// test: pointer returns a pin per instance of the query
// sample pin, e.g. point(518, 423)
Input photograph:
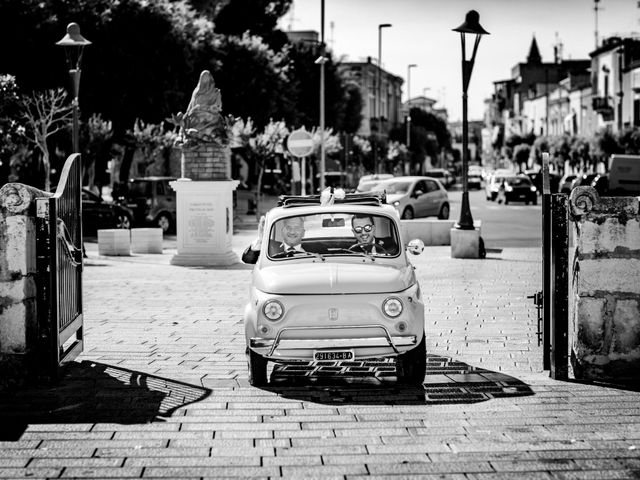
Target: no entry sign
point(300, 143)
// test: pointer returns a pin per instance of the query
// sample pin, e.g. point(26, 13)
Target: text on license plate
point(333, 355)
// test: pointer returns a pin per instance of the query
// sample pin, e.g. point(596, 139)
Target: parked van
point(624, 175)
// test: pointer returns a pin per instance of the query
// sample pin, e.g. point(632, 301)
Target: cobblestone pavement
point(161, 389)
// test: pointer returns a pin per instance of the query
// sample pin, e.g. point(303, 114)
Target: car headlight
point(273, 310)
point(396, 204)
point(533, 189)
point(392, 307)
point(508, 189)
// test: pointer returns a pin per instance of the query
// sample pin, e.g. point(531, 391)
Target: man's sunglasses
point(366, 228)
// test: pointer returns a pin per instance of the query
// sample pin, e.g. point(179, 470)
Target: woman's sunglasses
point(366, 228)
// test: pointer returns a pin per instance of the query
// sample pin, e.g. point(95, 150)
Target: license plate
point(333, 355)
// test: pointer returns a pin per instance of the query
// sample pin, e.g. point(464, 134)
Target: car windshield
point(399, 187)
point(367, 186)
point(139, 188)
point(337, 234)
point(519, 181)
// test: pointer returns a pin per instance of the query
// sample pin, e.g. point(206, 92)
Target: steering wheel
point(379, 248)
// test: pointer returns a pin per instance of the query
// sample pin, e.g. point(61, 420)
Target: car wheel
point(165, 222)
point(412, 366)
point(123, 221)
point(444, 212)
point(408, 213)
point(257, 368)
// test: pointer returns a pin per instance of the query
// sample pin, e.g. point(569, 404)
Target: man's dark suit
point(251, 256)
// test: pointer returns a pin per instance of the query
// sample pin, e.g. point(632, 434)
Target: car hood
point(395, 197)
point(333, 278)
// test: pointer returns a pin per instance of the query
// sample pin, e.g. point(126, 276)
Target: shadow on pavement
point(374, 383)
point(90, 392)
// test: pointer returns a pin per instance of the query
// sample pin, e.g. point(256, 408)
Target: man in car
point(364, 229)
point(292, 234)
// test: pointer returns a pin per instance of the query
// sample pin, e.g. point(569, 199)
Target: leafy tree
point(258, 17)
point(11, 129)
point(352, 109)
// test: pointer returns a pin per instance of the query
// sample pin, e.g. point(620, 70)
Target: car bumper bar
point(319, 343)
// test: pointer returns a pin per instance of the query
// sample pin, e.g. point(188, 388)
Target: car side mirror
point(415, 246)
point(417, 193)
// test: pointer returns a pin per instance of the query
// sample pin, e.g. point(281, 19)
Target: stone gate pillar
point(204, 193)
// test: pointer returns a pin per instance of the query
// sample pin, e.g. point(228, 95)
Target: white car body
point(332, 302)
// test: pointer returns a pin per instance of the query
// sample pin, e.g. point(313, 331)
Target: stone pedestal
point(204, 223)
point(146, 240)
point(465, 243)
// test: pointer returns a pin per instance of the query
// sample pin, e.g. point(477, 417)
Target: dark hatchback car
point(518, 189)
point(98, 213)
point(153, 202)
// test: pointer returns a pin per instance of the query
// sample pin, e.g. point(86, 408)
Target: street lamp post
point(378, 92)
point(321, 61)
point(471, 25)
point(74, 43)
point(409, 67)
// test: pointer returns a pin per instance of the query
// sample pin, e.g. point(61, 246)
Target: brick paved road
point(161, 389)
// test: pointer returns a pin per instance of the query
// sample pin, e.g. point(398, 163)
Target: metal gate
point(554, 298)
point(59, 266)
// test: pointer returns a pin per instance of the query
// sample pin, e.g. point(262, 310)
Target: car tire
point(257, 368)
point(407, 214)
point(123, 221)
point(444, 212)
point(412, 366)
point(165, 222)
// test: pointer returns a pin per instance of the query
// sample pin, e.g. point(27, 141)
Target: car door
point(96, 214)
point(434, 198)
point(420, 199)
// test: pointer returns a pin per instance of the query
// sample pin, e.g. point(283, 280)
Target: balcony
point(601, 104)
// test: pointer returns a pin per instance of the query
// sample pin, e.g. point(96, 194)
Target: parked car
point(417, 197)
point(366, 182)
point(624, 175)
point(474, 180)
point(601, 184)
point(445, 176)
point(518, 188)
point(565, 183)
point(333, 300)
point(98, 213)
point(153, 201)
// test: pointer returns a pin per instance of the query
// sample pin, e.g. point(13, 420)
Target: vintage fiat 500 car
point(346, 292)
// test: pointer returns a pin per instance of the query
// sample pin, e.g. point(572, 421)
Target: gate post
point(559, 338)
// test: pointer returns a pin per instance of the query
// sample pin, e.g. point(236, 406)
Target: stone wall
point(207, 161)
point(604, 289)
point(18, 315)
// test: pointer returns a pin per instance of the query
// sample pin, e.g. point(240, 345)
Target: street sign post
point(300, 144)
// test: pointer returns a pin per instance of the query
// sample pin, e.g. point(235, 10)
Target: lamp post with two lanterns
point(471, 25)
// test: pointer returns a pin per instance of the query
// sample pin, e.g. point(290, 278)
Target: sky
point(421, 34)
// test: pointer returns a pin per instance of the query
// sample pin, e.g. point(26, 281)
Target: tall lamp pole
point(321, 61)
point(74, 43)
point(409, 67)
point(378, 92)
point(471, 25)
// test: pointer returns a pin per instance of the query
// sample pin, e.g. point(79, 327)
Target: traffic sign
point(300, 143)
